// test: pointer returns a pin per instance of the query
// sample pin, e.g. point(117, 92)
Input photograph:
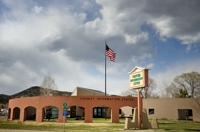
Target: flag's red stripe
point(111, 54)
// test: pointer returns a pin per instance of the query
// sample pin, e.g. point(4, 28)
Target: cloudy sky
point(67, 39)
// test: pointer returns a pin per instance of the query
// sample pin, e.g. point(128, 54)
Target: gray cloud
point(178, 19)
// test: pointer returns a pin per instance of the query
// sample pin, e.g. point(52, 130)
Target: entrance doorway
point(16, 113)
point(182, 112)
point(98, 112)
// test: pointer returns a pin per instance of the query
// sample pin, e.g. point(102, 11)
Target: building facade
point(90, 104)
point(174, 108)
point(98, 111)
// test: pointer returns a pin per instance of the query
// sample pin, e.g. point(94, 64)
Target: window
point(151, 111)
point(190, 112)
point(132, 111)
point(95, 111)
point(120, 111)
point(99, 111)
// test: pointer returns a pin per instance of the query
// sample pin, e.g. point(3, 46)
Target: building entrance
point(98, 112)
point(182, 113)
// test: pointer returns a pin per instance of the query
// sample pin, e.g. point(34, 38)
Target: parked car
point(4, 112)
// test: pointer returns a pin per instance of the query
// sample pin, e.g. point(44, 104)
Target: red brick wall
point(88, 102)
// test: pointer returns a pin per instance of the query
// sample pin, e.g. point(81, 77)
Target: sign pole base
point(139, 110)
point(63, 124)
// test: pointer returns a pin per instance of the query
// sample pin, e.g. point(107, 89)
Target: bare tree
point(163, 93)
point(186, 85)
point(48, 86)
point(190, 82)
point(171, 91)
point(148, 92)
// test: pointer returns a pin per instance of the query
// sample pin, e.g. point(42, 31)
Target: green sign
point(64, 107)
point(136, 79)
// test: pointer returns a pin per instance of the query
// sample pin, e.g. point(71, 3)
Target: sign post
point(139, 79)
point(64, 114)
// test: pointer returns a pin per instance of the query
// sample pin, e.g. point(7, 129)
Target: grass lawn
point(181, 125)
point(98, 125)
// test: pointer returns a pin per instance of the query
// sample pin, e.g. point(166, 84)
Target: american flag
point(110, 53)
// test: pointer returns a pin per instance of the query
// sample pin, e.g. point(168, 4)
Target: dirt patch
point(3, 117)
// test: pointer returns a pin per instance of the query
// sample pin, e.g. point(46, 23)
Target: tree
point(182, 93)
point(189, 82)
point(48, 86)
point(163, 92)
point(171, 91)
point(148, 92)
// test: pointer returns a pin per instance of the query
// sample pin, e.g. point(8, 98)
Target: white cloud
point(150, 66)
point(188, 48)
point(162, 26)
point(174, 19)
point(37, 9)
point(134, 39)
point(189, 39)
point(122, 21)
point(87, 6)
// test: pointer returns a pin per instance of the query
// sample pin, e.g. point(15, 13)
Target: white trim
point(137, 67)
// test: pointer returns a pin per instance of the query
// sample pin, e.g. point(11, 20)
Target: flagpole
point(105, 67)
point(111, 54)
point(105, 77)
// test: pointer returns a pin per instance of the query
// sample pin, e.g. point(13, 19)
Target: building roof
point(92, 90)
point(89, 90)
point(137, 68)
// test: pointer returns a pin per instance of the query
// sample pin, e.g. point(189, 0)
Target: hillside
point(30, 92)
point(4, 98)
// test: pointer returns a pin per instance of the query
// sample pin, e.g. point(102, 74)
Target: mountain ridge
point(30, 92)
